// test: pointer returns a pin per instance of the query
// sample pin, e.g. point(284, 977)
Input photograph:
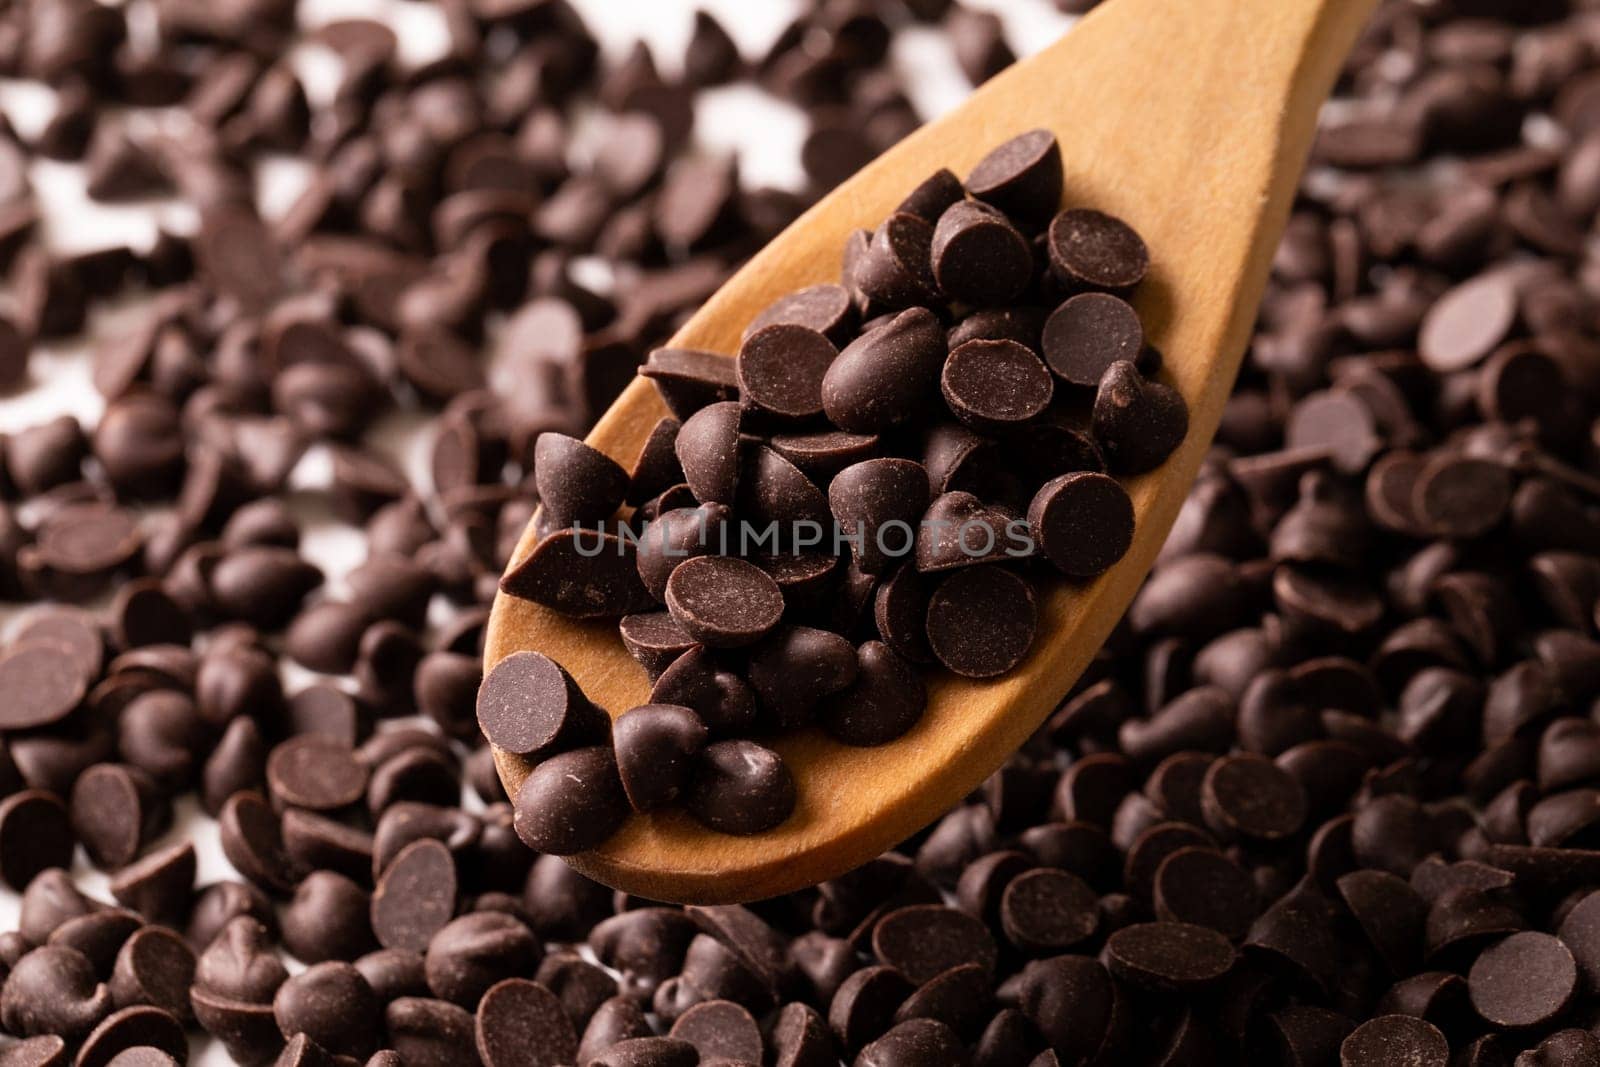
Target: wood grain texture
point(1190, 120)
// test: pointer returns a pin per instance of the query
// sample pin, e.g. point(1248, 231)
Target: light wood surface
point(1192, 120)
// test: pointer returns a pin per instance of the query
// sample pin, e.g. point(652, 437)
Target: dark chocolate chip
point(1087, 334)
point(571, 802)
point(530, 706)
point(656, 749)
point(981, 621)
point(739, 787)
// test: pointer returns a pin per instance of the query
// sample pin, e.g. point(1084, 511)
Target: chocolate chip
point(530, 706)
point(1087, 334)
point(1468, 322)
point(415, 897)
point(1252, 797)
point(648, 1052)
point(654, 640)
point(674, 536)
point(327, 918)
point(708, 449)
point(739, 787)
point(47, 680)
point(1044, 911)
point(1137, 423)
point(689, 379)
point(1393, 1040)
point(576, 483)
point(1082, 522)
point(723, 700)
point(475, 952)
point(332, 1004)
point(883, 378)
point(53, 990)
point(995, 386)
point(1022, 177)
point(959, 530)
point(878, 503)
point(1202, 887)
point(656, 748)
point(796, 668)
point(895, 270)
point(781, 368)
point(886, 699)
point(253, 842)
point(140, 1027)
point(1461, 497)
point(981, 621)
point(916, 1041)
point(1528, 979)
point(521, 1024)
point(571, 802)
point(35, 835)
point(315, 771)
point(720, 1030)
point(1168, 955)
point(426, 1030)
point(978, 256)
point(865, 1004)
point(723, 602)
point(582, 574)
point(1092, 250)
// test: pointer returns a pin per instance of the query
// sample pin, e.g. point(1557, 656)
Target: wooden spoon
point(1192, 121)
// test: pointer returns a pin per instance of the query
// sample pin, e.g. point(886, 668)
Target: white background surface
point(765, 134)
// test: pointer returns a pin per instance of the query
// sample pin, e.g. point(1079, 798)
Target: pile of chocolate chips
point(1325, 798)
point(842, 505)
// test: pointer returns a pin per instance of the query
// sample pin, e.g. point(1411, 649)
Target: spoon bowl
point(1190, 121)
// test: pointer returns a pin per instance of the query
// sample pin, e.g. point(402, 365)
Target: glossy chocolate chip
point(883, 378)
point(656, 749)
point(571, 802)
point(739, 787)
